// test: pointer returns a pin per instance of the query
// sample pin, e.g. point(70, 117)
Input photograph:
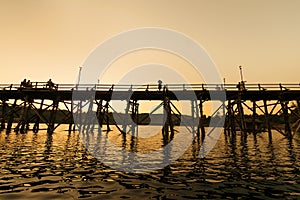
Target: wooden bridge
point(244, 106)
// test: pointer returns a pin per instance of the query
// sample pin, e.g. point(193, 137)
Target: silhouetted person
point(159, 85)
point(28, 84)
point(50, 84)
point(241, 86)
point(23, 83)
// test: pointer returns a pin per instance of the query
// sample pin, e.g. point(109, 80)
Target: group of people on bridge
point(28, 84)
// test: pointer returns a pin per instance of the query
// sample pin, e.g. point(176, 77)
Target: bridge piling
point(51, 124)
point(2, 126)
point(254, 128)
point(11, 117)
point(241, 115)
point(267, 120)
point(284, 107)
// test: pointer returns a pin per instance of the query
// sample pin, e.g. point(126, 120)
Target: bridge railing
point(152, 87)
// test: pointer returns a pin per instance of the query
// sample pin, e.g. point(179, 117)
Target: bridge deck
point(151, 92)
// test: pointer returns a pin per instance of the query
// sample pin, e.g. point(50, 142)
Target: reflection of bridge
point(40, 104)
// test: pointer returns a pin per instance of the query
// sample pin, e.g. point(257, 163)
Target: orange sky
point(40, 39)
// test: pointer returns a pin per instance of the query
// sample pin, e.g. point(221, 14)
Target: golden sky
point(42, 39)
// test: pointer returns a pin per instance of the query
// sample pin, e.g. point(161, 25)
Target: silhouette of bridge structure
point(243, 108)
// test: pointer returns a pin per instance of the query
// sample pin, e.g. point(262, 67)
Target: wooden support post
point(22, 128)
point(80, 115)
point(196, 123)
point(170, 120)
point(165, 131)
point(11, 117)
point(168, 126)
point(107, 116)
point(284, 107)
point(71, 118)
point(126, 120)
point(241, 115)
point(2, 126)
point(193, 107)
point(134, 116)
point(201, 121)
point(254, 117)
point(100, 113)
point(36, 126)
point(267, 118)
point(231, 118)
point(137, 118)
point(53, 116)
point(89, 113)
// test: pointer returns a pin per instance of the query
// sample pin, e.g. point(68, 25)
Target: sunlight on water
point(41, 166)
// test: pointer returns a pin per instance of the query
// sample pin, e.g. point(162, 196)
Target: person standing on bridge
point(50, 84)
point(28, 84)
point(23, 83)
point(159, 85)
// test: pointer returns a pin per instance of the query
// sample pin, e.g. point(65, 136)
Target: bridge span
point(41, 103)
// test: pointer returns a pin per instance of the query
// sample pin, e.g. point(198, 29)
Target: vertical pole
point(241, 114)
point(124, 126)
point(80, 115)
point(170, 120)
point(2, 126)
point(87, 116)
point(169, 123)
point(201, 124)
point(23, 117)
point(71, 118)
point(11, 117)
point(193, 116)
point(36, 126)
point(254, 117)
point(284, 107)
point(100, 113)
point(53, 116)
point(166, 124)
point(107, 116)
point(231, 118)
point(267, 117)
point(197, 117)
point(134, 114)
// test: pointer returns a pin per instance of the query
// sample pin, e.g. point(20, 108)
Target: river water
point(57, 166)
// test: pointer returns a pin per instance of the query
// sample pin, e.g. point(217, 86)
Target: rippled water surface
point(41, 166)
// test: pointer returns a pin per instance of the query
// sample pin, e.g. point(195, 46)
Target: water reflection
point(58, 166)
